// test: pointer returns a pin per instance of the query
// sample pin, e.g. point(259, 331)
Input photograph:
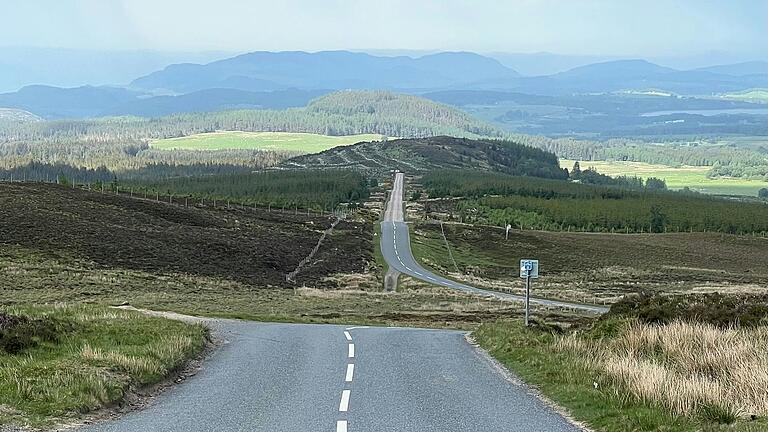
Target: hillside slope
point(424, 154)
point(257, 248)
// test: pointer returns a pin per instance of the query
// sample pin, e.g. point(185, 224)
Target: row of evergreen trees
point(557, 205)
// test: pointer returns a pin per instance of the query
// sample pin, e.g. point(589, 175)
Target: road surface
point(316, 378)
point(396, 248)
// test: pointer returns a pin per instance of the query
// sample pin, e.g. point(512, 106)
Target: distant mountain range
point(88, 101)
point(264, 71)
point(739, 69)
point(280, 80)
point(62, 67)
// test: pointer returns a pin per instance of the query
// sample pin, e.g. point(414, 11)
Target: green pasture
point(276, 141)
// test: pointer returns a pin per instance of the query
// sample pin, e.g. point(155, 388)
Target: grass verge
point(621, 375)
point(97, 357)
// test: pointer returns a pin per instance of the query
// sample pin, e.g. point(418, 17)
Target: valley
point(306, 239)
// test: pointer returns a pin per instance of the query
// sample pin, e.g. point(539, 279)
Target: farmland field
point(280, 141)
point(753, 95)
point(694, 177)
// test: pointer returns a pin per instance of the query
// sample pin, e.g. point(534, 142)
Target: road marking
point(347, 335)
point(357, 327)
point(351, 353)
point(350, 372)
point(341, 426)
point(344, 404)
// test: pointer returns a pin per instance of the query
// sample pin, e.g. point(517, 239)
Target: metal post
point(527, 299)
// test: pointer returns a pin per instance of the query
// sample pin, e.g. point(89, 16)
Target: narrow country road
point(316, 378)
point(396, 248)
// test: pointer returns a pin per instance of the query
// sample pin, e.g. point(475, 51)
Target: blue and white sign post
point(529, 269)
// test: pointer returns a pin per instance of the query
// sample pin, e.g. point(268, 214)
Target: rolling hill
point(17, 115)
point(89, 101)
point(56, 102)
point(425, 154)
point(264, 71)
point(279, 80)
point(739, 69)
point(257, 248)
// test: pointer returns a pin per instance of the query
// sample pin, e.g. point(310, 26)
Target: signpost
point(529, 269)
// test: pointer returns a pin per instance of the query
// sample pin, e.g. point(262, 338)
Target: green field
point(694, 177)
point(277, 141)
point(753, 95)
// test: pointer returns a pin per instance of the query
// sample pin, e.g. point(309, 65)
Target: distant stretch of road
point(329, 378)
point(396, 248)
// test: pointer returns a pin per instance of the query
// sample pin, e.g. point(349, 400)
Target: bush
point(721, 310)
point(18, 332)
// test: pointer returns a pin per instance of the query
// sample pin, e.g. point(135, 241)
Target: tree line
point(561, 205)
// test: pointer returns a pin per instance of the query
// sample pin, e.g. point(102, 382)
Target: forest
point(314, 190)
point(533, 203)
point(122, 144)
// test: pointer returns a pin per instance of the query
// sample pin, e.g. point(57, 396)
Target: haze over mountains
point(281, 80)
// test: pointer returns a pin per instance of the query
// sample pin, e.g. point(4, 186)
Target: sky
point(578, 27)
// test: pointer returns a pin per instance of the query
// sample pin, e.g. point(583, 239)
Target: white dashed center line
point(347, 335)
point(351, 353)
point(341, 426)
point(344, 404)
point(350, 372)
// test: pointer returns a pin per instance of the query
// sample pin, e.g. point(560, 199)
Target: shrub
point(721, 310)
point(19, 332)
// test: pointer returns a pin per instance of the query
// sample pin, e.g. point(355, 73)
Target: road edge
point(139, 398)
point(512, 378)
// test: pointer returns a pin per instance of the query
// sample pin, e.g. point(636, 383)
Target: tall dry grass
point(688, 368)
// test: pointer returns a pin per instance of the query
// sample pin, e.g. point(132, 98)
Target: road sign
point(529, 268)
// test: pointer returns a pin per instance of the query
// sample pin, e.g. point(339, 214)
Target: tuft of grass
point(101, 356)
point(624, 375)
point(689, 369)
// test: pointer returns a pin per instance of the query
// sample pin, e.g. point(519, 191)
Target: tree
point(763, 193)
point(653, 184)
point(658, 219)
point(576, 169)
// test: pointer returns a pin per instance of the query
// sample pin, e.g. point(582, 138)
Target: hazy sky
point(602, 27)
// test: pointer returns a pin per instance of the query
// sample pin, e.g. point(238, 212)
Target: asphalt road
point(396, 248)
point(314, 378)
